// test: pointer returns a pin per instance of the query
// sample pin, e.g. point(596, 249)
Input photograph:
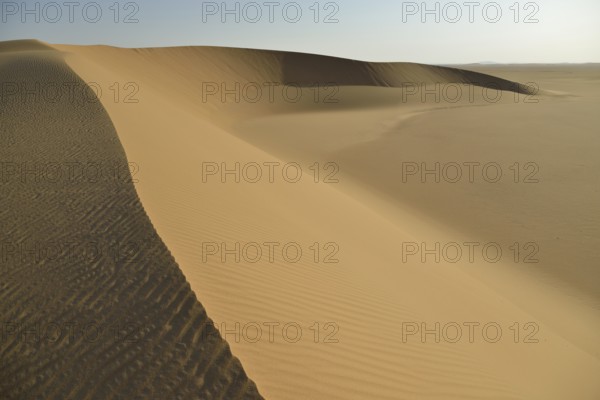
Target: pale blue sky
point(376, 30)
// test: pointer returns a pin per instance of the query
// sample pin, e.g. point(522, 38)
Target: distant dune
point(332, 323)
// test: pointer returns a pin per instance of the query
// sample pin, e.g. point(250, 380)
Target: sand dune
point(226, 85)
point(354, 313)
point(93, 304)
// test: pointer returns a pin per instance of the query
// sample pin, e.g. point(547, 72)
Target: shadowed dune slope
point(92, 304)
point(305, 69)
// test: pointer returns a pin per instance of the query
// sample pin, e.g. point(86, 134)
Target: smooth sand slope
point(363, 302)
point(93, 305)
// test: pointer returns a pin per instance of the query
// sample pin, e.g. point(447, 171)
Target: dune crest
point(93, 304)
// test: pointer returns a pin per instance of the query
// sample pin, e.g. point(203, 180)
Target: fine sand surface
point(92, 304)
point(351, 314)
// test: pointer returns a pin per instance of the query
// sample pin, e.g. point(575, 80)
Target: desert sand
point(350, 306)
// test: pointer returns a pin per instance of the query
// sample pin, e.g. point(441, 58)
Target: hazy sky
point(544, 31)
